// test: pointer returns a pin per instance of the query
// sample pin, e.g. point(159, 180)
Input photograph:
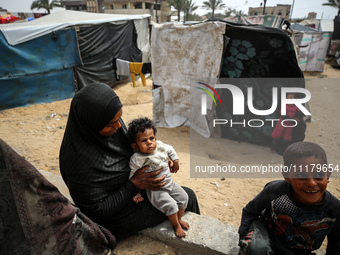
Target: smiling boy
point(293, 216)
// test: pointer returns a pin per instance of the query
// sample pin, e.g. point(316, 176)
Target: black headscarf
point(93, 166)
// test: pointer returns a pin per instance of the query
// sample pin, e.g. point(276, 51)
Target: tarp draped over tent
point(313, 47)
point(21, 32)
point(39, 70)
point(253, 53)
point(323, 25)
point(114, 40)
point(45, 46)
point(258, 52)
point(181, 53)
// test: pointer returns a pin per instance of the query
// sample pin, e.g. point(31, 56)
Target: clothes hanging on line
point(136, 68)
point(146, 68)
point(123, 67)
point(130, 69)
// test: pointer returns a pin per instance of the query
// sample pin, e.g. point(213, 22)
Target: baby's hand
point(138, 198)
point(175, 166)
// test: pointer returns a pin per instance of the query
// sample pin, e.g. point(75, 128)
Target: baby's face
point(309, 184)
point(146, 141)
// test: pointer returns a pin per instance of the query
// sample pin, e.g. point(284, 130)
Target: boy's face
point(309, 185)
point(145, 142)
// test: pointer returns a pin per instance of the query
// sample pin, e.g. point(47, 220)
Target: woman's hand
point(144, 180)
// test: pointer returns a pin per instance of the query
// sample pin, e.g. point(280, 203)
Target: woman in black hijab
point(94, 163)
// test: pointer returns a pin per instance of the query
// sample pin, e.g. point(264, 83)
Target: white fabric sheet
point(181, 54)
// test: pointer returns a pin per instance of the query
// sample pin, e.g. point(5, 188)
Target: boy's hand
point(175, 166)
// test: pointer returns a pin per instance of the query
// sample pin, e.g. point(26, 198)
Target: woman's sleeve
point(117, 200)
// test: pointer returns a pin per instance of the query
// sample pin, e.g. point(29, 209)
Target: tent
point(51, 57)
point(313, 47)
point(323, 25)
point(185, 56)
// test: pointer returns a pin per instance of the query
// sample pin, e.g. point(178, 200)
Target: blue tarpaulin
point(38, 88)
point(39, 70)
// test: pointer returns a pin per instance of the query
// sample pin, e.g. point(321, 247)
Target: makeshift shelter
point(321, 25)
point(255, 52)
point(49, 58)
point(183, 56)
point(313, 47)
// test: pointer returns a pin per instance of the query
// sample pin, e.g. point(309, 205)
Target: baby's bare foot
point(138, 198)
point(179, 231)
point(184, 225)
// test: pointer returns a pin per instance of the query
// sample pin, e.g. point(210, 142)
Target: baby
point(171, 199)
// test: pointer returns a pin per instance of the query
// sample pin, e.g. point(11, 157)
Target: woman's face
point(113, 125)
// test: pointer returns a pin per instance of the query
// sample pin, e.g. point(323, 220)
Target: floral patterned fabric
point(35, 218)
point(259, 52)
point(264, 20)
point(252, 55)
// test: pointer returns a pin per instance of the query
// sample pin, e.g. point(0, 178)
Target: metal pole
point(291, 11)
point(156, 11)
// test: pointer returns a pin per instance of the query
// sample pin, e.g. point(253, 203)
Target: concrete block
point(205, 236)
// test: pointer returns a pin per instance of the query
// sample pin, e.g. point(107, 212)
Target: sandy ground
point(36, 133)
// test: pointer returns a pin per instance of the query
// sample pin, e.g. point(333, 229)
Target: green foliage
point(45, 4)
point(194, 17)
point(213, 5)
point(178, 5)
point(230, 12)
point(188, 9)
